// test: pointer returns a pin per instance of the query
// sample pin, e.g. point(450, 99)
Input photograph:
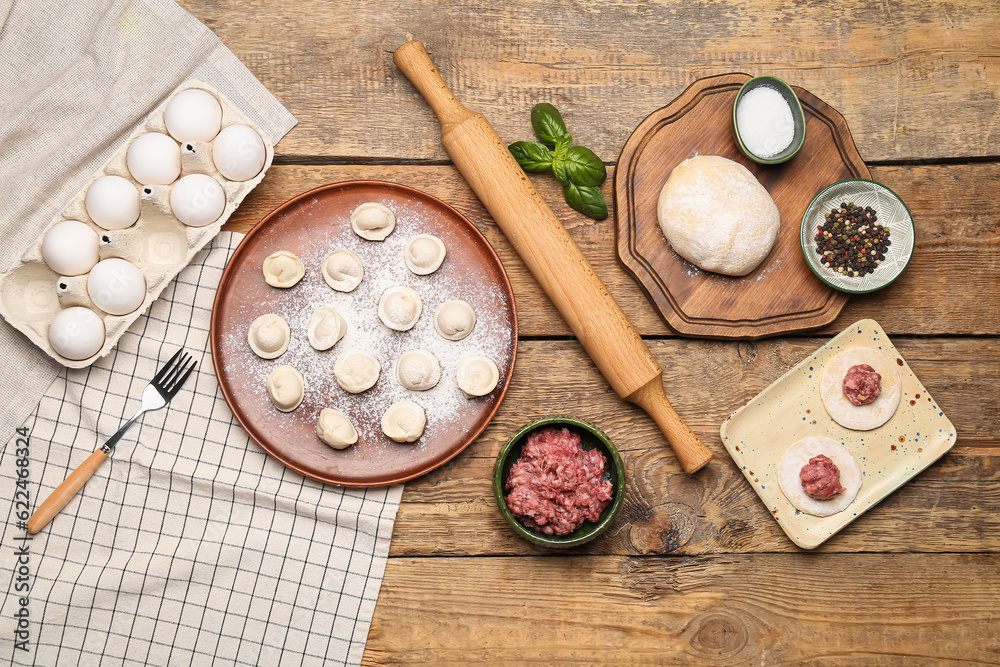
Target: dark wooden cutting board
point(781, 295)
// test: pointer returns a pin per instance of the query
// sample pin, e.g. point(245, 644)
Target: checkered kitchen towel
point(190, 545)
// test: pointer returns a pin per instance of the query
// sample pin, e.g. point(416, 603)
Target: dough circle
point(418, 370)
point(283, 269)
point(342, 270)
point(286, 388)
point(424, 254)
point(356, 371)
point(399, 307)
point(454, 319)
point(268, 336)
point(372, 221)
point(404, 421)
point(335, 429)
point(716, 215)
point(326, 327)
point(798, 455)
point(860, 417)
point(477, 376)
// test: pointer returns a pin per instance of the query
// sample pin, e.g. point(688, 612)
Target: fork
point(163, 387)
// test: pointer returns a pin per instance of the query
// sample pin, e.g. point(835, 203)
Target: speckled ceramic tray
point(758, 434)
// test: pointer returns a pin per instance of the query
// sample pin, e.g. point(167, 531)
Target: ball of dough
point(283, 269)
point(418, 370)
point(477, 376)
point(717, 216)
point(454, 319)
point(356, 371)
point(342, 270)
point(424, 254)
point(404, 421)
point(268, 336)
point(399, 308)
point(860, 417)
point(286, 388)
point(373, 221)
point(335, 429)
point(326, 327)
point(798, 455)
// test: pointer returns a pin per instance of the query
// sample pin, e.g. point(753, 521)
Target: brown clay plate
point(779, 296)
point(312, 225)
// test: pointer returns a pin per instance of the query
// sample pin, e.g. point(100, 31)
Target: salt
point(765, 122)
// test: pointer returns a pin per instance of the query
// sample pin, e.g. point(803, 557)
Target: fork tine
point(177, 369)
point(180, 381)
point(166, 367)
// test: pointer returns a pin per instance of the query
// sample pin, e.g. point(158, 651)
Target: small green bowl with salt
point(768, 122)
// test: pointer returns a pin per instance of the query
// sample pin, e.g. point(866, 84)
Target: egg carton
point(160, 245)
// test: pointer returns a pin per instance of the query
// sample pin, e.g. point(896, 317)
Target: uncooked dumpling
point(283, 269)
point(454, 319)
point(717, 216)
point(326, 327)
point(860, 417)
point(399, 308)
point(268, 336)
point(404, 421)
point(373, 221)
point(286, 388)
point(342, 270)
point(418, 370)
point(477, 376)
point(335, 429)
point(798, 455)
point(424, 254)
point(356, 371)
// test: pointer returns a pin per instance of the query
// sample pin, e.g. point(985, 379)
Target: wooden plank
point(953, 506)
point(914, 79)
point(850, 609)
point(949, 288)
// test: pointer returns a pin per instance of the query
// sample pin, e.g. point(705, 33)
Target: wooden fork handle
point(64, 493)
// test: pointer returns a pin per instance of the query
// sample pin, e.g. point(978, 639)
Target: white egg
point(238, 153)
point(70, 248)
point(113, 202)
point(76, 333)
point(197, 200)
point(116, 286)
point(193, 115)
point(154, 159)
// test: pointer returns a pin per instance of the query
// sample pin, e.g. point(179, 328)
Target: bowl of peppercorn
point(857, 235)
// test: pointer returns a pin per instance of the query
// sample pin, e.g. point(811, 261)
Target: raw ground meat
point(862, 384)
point(555, 485)
point(821, 478)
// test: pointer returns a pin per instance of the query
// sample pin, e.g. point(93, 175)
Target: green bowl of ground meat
point(559, 482)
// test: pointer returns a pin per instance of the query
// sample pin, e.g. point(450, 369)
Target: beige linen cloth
point(191, 545)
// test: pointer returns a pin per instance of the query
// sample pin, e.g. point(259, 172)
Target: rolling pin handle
point(412, 60)
point(691, 452)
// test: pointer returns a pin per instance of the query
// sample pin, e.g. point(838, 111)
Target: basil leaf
point(583, 167)
point(586, 199)
point(531, 155)
point(548, 124)
point(563, 144)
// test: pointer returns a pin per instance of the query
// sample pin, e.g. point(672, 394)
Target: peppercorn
point(849, 226)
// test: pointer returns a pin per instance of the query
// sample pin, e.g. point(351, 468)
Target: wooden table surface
point(694, 569)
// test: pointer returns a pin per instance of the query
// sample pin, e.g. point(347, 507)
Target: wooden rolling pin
point(551, 255)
